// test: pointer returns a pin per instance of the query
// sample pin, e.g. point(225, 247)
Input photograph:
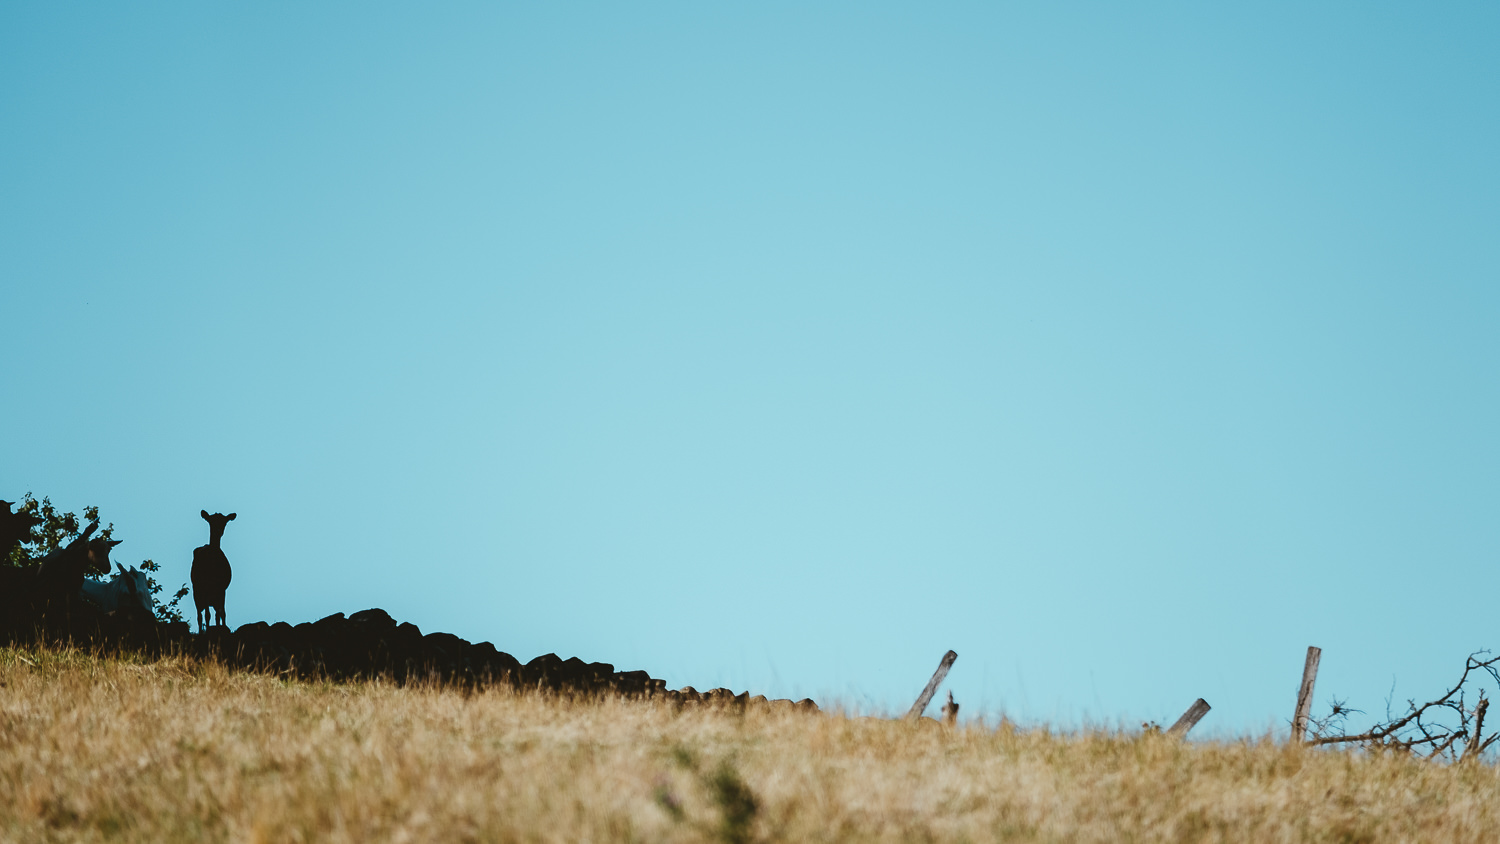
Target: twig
point(1438, 751)
point(950, 711)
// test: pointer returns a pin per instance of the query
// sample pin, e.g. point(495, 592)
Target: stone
point(376, 617)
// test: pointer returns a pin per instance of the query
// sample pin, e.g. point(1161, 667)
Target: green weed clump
point(126, 749)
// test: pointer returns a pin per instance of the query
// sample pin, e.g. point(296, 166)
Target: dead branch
point(1447, 743)
point(1421, 726)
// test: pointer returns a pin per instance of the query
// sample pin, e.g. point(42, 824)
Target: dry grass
point(182, 751)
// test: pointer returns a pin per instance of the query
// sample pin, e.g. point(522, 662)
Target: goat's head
point(138, 587)
point(15, 527)
point(19, 521)
point(98, 555)
point(216, 523)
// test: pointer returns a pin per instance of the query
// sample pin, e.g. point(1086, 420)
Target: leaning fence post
point(932, 685)
point(1473, 745)
point(1190, 718)
point(1305, 694)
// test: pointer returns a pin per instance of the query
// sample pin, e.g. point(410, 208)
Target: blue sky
point(1126, 351)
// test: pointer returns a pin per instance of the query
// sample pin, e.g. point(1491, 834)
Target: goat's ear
point(113, 542)
point(231, 516)
point(204, 514)
point(121, 566)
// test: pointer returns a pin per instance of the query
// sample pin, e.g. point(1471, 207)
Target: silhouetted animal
point(59, 575)
point(127, 589)
point(15, 583)
point(211, 572)
point(14, 528)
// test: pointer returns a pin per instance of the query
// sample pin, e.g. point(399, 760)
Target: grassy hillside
point(176, 750)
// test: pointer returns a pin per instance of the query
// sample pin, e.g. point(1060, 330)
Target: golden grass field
point(176, 750)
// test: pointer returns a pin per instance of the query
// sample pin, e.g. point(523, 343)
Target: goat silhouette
point(15, 528)
point(211, 572)
point(58, 577)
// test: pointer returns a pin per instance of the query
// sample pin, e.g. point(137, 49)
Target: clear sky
point(1126, 349)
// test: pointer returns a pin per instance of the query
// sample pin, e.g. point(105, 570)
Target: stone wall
point(364, 645)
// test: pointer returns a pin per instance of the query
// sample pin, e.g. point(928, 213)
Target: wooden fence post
point(1305, 694)
point(1190, 718)
point(932, 685)
point(1473, 745)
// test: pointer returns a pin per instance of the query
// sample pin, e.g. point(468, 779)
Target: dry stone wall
point(364, 645)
